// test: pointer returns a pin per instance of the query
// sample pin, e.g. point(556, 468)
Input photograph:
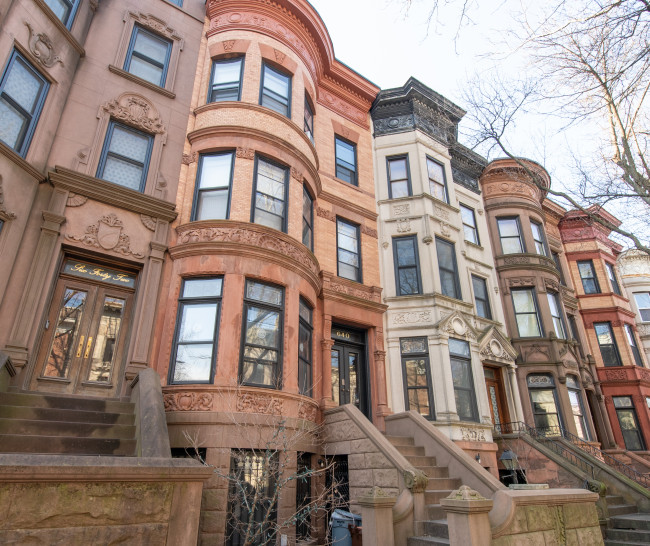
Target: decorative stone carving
point(190, 158)
point(472, 434)
point(644, 329)
point(403, 225)
point(494, 350)
point(416, 481)
point(136, 111)
point(369, 232)
point(341, 288)
point(308, 412)
point(149, 222)
point(537, 349)
point(609, 400)
point(643, 373)
point(188, 401)
point(616, 375)
point(341, 106)
point(439, 212)
point(324, 213)
point(444, 228)
point(94, 4)
point(402, 210)
point(3, 208)
point(414, 317)
point(76, 200)
point(157, 25)
point(516, 260)
point(245, 153)
point(107, 234)
point(521, 281)
point(552, 284)
point(279, 56)
point(259, 403)
point(455, 324)
point(228, 45)
point(81, 158)
point(42, 48)
point(296, 174)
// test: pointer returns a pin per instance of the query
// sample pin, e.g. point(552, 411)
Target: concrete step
point(77, 416)
point(427, 541)
point(434, 496)
point(631, 521)
point(13, 443)
point(621, 509)
point(435, 512)
point(401, 440)
point(609, 542)
point(65, 402)
point(443, 483)
point(629, 535)
point(411, 451)
point(435, 471)
point(436, 528)
point(66, 428)
point(419, 461)
point(614, 499)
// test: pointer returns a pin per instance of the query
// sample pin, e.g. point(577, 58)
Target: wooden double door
point(496, 396)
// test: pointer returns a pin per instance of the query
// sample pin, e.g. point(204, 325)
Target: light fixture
point(477, 458)
point(509, 460)
point(321, 463)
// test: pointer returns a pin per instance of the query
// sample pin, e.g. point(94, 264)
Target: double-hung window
point(642, 300)
point(437, 180)
point(417, 375)
point(261, 360)
point(399, 184)
point(629, 423)
point(577, 408)
point(305, 349)
point(64, 10)
point(307, 219)
point(607, 344)
point(510, 235)
point(270, 195)
point(309, 120)
point(213, 181)
point(558, 266)
point(197, 326)
point(463, 380)
point(611, 273)
point(346, 160)
point(407, 265)
point(148, 56)
point(631, 339)
point(276, 90)
point(225, 82)
point(469, 224)
point(448, 268)
point(481, 298)
point(125, 156)
point(543, 398)
point(22, 94)
point(538, 237)
point(556, 314)
point(588, 276)
point(348, 249)
point(526, 313)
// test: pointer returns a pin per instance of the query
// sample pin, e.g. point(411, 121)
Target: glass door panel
point(630, 429)
point(108, 329)
point(336, 381)
point(353, 390)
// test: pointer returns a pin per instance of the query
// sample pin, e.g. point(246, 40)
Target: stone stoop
point(436, 531)
point(626, 526)
point(66, 425)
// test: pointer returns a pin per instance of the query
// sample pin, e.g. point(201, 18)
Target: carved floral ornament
point(456, 325)
point(259, 403)
point(107, 234)
point(136, 111)
point(494, 350)
point(3, 208)
point(42, 48)
point(159, 26)
point(188, 401)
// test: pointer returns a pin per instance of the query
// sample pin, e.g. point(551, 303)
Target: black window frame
point(558, 265)
point(619, 408)
point(259, 158)
point(264, 92)
point(417, 355)
point(186, 301)
point(611, 346)
point(539, 243)
point(72, 5)
point(400, 157)
point(473, 228)
point(465, 361)
point(355, 177)
point(308, 127)
point(212, 90)
point(486, 300)
point(445, 182)
point(198, 191)
point(522, 242)
point(131, 51)
point(634, 346)
point(338, 248)
point(540, 324)
point(613, 280)
point(305, 367)
point(549, 386)
point(594, 277)
point(560, 317)
point(573, 386)
point(106, 152)
point(250, 302)
point(642, 310)
point(307, 223)
point(415, 266)
point(453, 271)
point(178, 3)
point(31, 118)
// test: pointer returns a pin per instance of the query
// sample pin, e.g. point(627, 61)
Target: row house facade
point(634, 269)
point(448, 353)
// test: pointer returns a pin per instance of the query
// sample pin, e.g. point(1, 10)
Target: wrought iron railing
point(549, 437)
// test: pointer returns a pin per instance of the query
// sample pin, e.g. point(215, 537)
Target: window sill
point(144, 83)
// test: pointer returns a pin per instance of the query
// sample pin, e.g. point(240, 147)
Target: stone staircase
point(626, 526)
point(436, 532)
point(54, 424)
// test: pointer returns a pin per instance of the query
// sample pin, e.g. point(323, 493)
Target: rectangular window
point(305, 349)
point(22, 94)
point(628, 422)
point(179, 3)
point(449, 281)
point(510, 235)
point(526, 313)
point(307, 219)
point(577, 408)
point(348, 250)
point(543, 400)
point(125, 156)
point(631, 339)
point(588, 276)
point(148, 56)
point(276, 90)
point(399, 184)
point(437, 180)
point(261, 359)
point(538, 237)
point(556, 313)
point(197, 331)
point(573, 328)
point(64, 10)
point(226, 80)
point(643, 303)
point(270, 195)
point(611, 273)
point(558, 266)
point(462, 377)
point(469, 224)
point(481, 297)
point(346, 160)
point(407, 265)
point(309, 120)
point(417, 376)
point(607, 343)
point(213, 182)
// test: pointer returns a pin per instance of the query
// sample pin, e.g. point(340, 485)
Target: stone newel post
point(467, 517)
point(377, 517)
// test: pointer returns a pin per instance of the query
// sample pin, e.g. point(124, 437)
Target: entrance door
point(349, 369)
point(496, 395)
point(83, 345)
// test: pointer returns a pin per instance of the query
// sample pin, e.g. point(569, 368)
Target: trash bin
point(339, 523)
